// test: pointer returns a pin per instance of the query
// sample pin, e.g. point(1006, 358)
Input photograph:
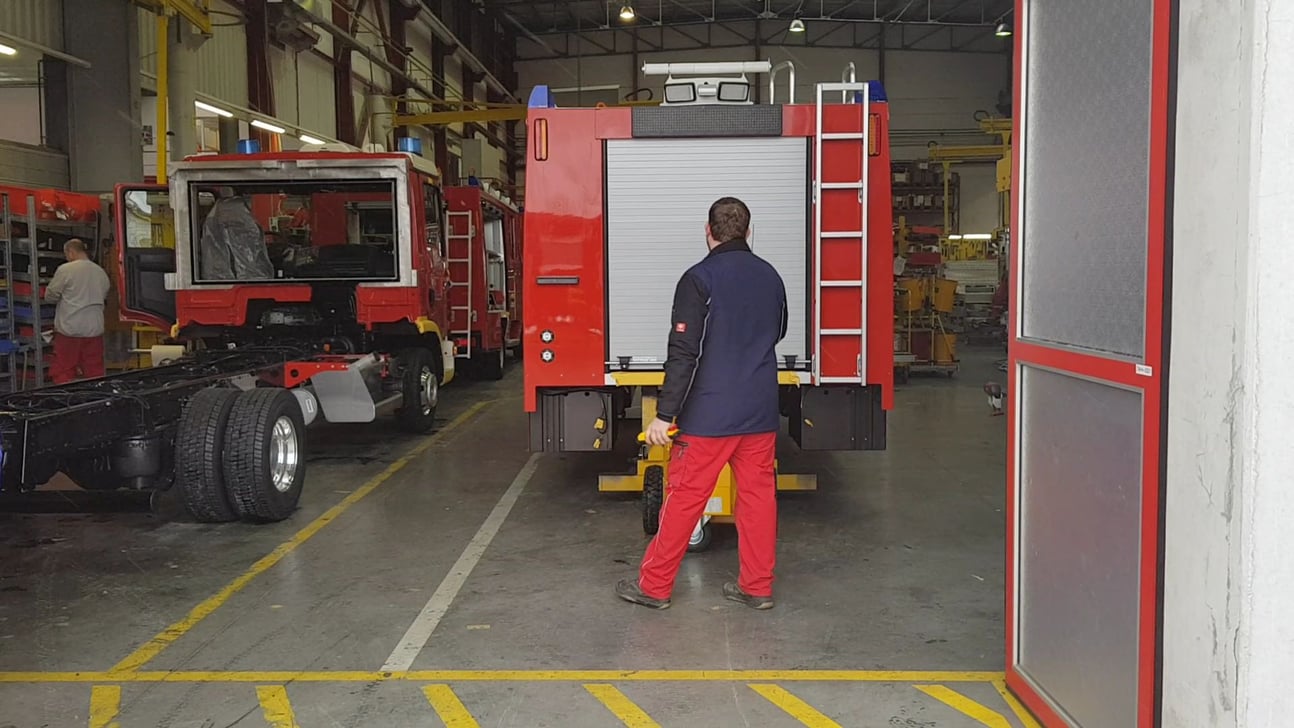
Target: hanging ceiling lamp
point(797, 25)
point(1003, 30)
point(627, 12)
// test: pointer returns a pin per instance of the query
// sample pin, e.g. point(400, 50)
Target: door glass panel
point(1078, 590)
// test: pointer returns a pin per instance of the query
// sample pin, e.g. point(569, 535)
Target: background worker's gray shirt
point(79, 287)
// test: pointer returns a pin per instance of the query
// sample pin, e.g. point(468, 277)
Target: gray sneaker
point(734, 593)
point(628, 590)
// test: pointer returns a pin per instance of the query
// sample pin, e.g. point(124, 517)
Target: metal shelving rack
point(33, 347)
point(8, 339)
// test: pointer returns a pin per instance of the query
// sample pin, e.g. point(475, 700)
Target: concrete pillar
point(229, 132)
point(182, 87)
point(101, 109)
point(1229, 574)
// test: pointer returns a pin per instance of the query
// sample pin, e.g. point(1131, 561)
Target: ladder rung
point(837, 234)
point(842, 332)
point(840, 380)
point(843, 86)
point(460, 308)
point(841, 135)
point(842, 284)
point(458, 260)
point(842, 185)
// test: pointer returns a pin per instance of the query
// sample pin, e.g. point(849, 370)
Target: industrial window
point(324, 230)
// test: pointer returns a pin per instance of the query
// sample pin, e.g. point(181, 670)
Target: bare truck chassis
point(225, 426)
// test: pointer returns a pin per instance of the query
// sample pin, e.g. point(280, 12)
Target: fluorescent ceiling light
point(1003, 30)
point(797, 26)
point(213, 109)
point(978, 236)
point(7, 50)
point(310, 140)
point(627, 12)
point(267, 126)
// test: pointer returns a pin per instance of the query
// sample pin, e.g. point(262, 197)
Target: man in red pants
point(721, 390)
point(79, 287)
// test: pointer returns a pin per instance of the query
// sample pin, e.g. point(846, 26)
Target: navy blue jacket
point(721, 374)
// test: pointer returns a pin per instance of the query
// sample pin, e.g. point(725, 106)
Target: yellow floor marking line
point(105, 704)
point(451, 710)
point(621, 706)
point(452, 676)
point(794, 706)
point(152, 648)
point(1021, 713)
point(275, 706)
point(965, 706)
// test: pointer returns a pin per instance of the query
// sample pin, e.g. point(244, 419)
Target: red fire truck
point(306, 285)
point(616, 202)
point(484, 244)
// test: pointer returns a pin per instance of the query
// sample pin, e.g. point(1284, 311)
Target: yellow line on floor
point(621, 706)
point(451, 676)
point(794, 706)
point(105, 705)
point(451, 710)
point(152, 648)
point(275, 706)
point(965, 706)
point(1021, 713)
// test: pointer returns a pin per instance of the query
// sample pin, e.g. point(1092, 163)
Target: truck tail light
point(541, 140)
point(873, 129)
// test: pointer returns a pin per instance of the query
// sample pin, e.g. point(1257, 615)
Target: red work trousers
point(75, 358)
point(694, 466)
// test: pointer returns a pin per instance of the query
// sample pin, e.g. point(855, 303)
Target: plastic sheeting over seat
point(233, 245)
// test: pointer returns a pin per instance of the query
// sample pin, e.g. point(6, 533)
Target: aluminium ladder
point(459, 259)
point(840, 193)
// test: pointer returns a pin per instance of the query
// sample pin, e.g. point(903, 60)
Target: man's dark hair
point(729, 219)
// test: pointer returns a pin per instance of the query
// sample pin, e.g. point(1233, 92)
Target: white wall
point(20, 120)
point(1229, 581)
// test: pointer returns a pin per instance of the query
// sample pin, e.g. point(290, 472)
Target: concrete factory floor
point(458, 576)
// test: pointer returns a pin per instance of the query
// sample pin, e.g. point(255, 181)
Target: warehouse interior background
point(1192, 95)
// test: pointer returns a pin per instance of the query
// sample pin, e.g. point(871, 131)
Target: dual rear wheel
point(241, 455)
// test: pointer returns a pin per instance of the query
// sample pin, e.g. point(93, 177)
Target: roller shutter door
point(659, 192)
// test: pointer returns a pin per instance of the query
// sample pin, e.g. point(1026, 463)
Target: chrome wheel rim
point(428, 390)
point(285, 455)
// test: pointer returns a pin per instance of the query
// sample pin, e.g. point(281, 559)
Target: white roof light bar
point(701, 69)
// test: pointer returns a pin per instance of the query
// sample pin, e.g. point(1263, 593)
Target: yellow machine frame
point(720, 507)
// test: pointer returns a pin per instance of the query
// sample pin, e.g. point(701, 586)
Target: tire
point(707, 533)
point(653, 498)
point(420, 385)
point(265, 447)
point(199, 452)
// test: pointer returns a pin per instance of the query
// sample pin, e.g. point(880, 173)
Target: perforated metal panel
point(1086, 189)
point(659, 192)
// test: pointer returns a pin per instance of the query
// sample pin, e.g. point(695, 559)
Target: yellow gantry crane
point(999, 153)
point(197, 12)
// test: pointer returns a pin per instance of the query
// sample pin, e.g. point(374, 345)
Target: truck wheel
point(421, 389)
point(265, 448)
point(199, 448)
point(653, 498)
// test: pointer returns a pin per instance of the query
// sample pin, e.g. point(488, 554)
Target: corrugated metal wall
point(30, 166)
point(222, 60)
point(39, 21)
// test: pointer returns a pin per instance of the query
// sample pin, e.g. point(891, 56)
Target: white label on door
point(1144, 370)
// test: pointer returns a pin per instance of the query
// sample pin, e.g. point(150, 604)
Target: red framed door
point(1091, 159)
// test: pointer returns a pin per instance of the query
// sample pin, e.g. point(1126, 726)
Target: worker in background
point(80, 288)
point(721, 390)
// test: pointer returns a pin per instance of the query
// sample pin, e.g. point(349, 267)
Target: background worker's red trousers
point(75, 358)
point(694, 466)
